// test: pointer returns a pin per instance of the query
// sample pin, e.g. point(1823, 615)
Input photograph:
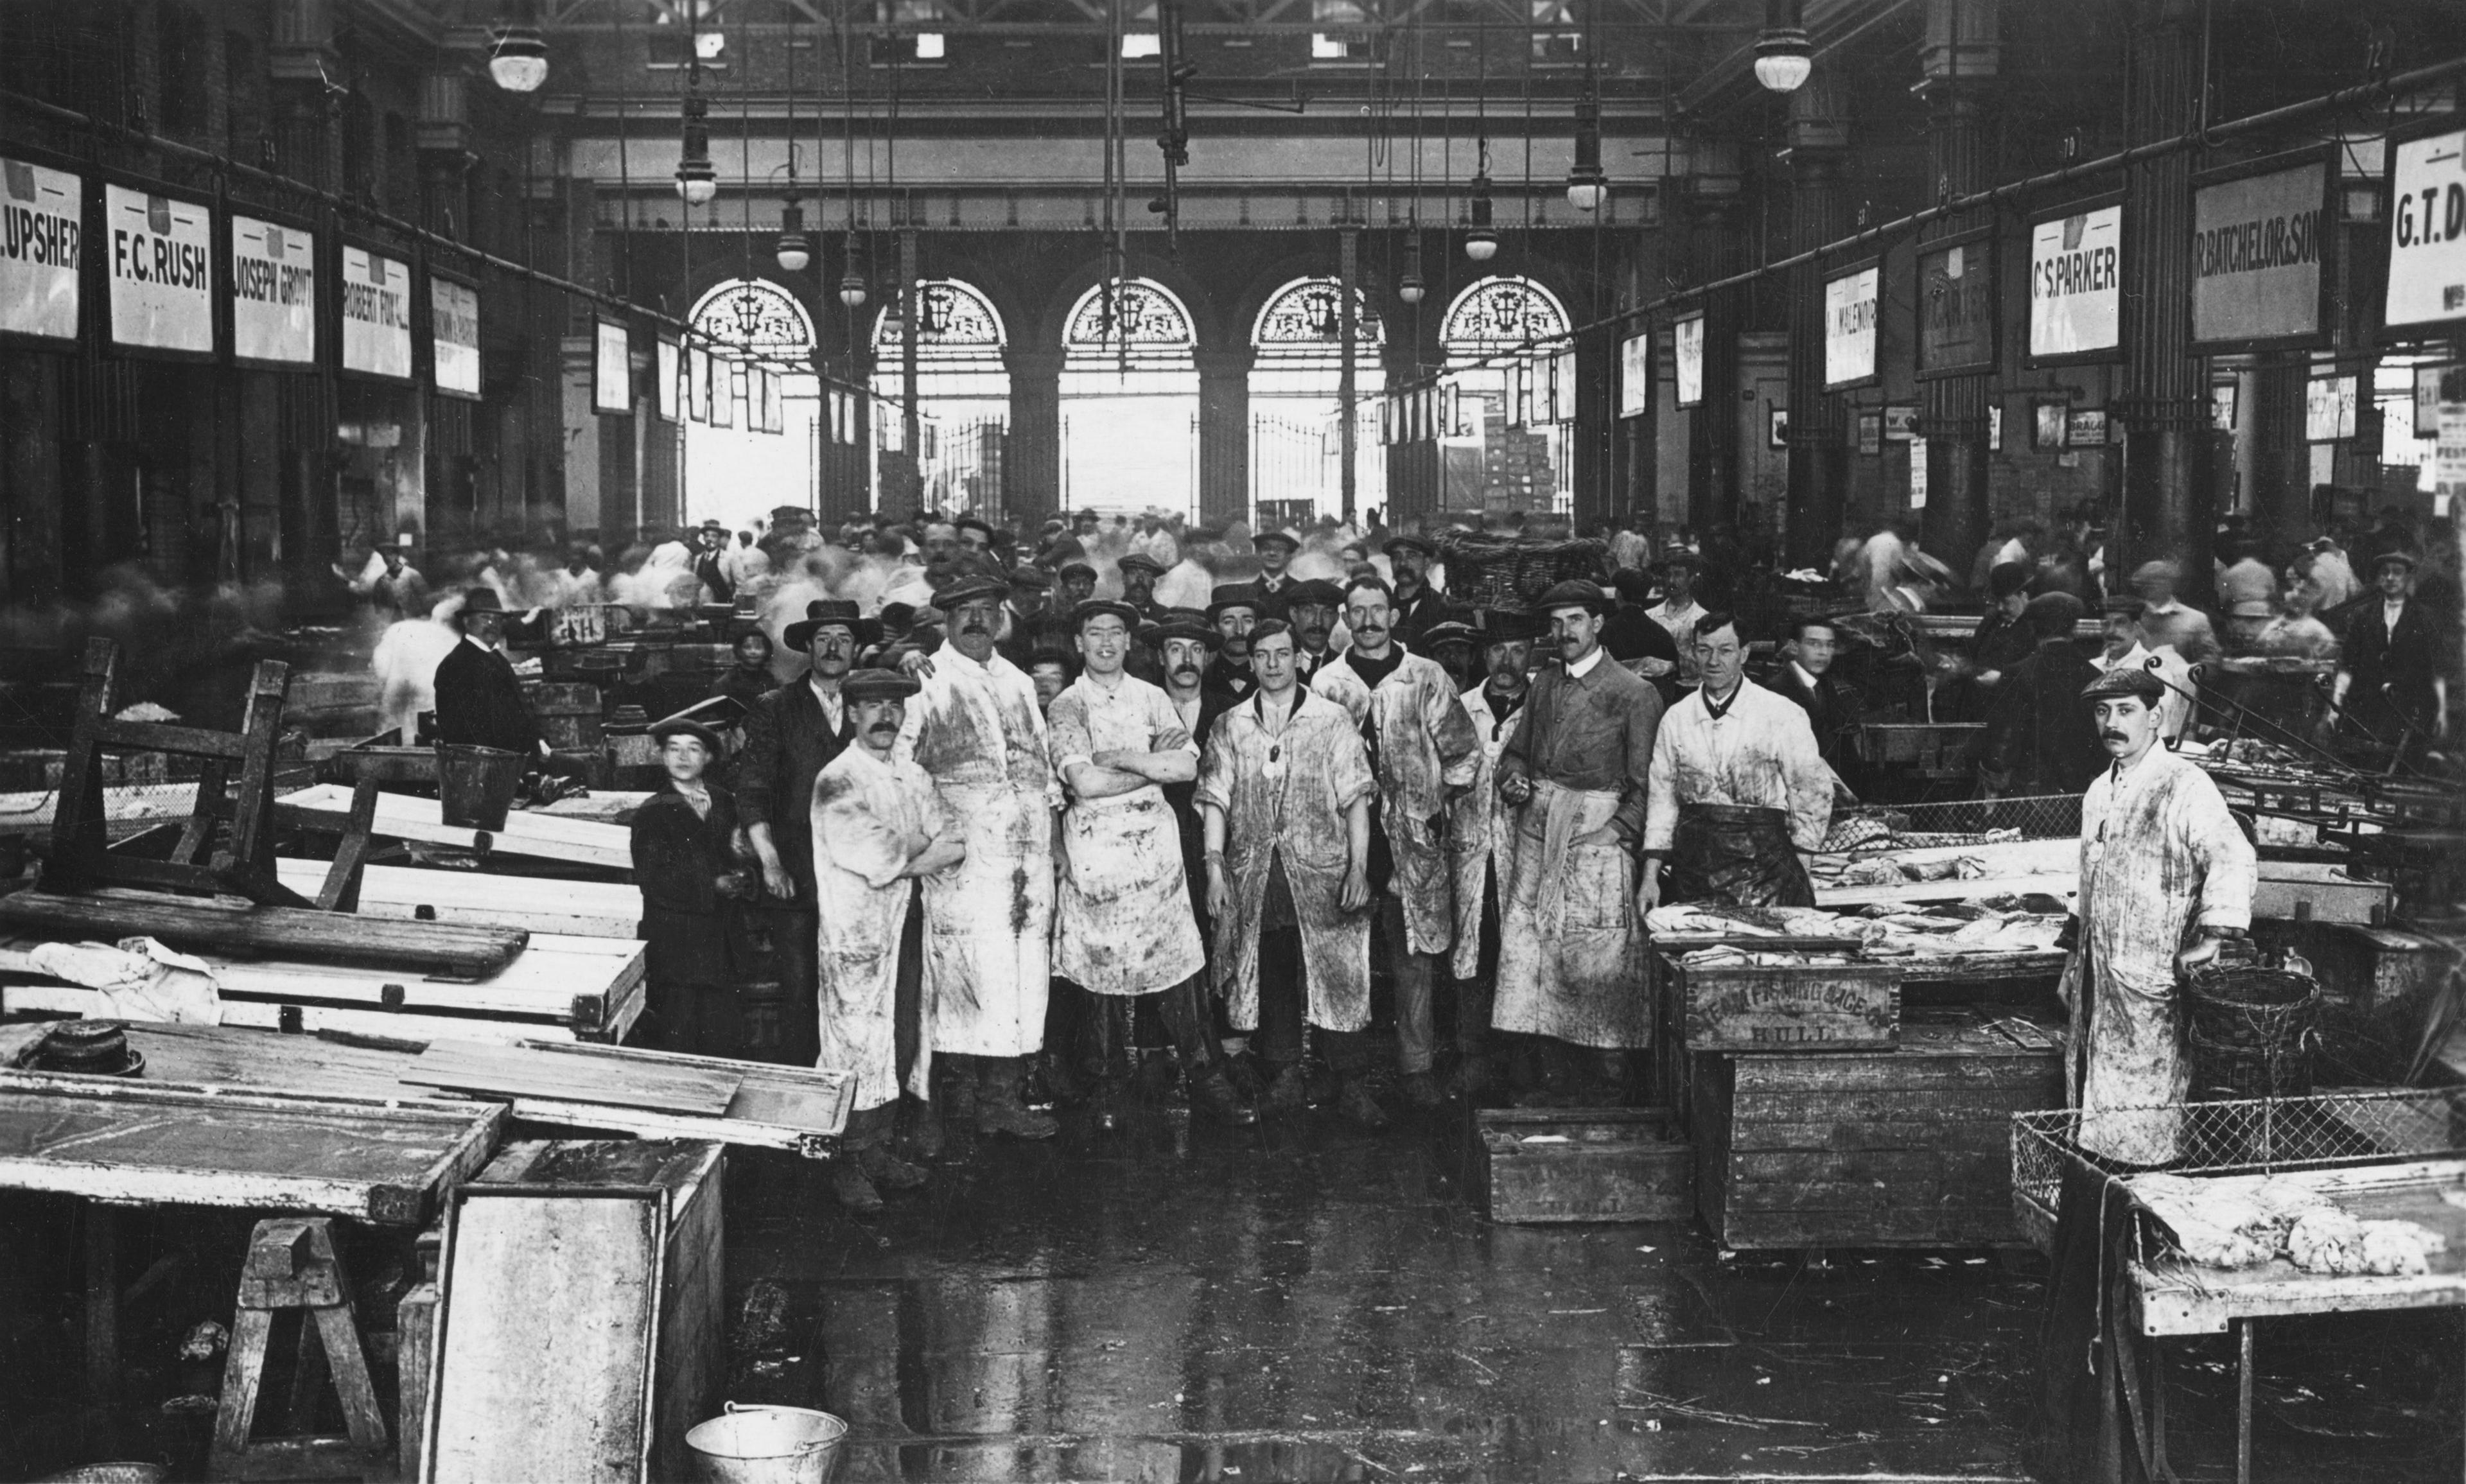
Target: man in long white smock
point(877, 826)
point(975, 730)
point(1481, 837)
point(2166, 875)
point(1125, 927)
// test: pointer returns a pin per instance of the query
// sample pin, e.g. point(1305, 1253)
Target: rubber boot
point(1212, 1094)
point(886, 1170)
point(958, 1099)
point(1359, 1108)
point(1287, 1090)
point(920, 1128)
point(855, 1190)
point(999, 1108)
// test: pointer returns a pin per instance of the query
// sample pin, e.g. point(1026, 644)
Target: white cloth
point(834, 708)
point(869, 820)
point(2160, 855)
point(975, 730)
point(1123, 923)
point(1420, 745)
point(1680, 623)
point(1761, 754)
point(137, 979)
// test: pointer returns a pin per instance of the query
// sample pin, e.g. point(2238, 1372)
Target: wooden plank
point(1991, 1132)
point(1951, 1226)
point(1748, 1007)
point(1895, 1166)
point(527, 832)
point(203, 927)
point(581, 1411)
point(570, 909)
point(513, 1071)
point(112, 1139)
point(127, 810)
point(808, 1105)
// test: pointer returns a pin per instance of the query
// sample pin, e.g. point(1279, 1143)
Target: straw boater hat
point(1573, 592)
point(1183, 623)
point(2125, 680)
point(826, 613)
point(877, 684)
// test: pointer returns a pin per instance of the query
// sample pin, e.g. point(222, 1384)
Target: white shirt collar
point(1584, 666)
point(476, 643)
point(831, 700)
point(2169, 606)
point(1803, 677)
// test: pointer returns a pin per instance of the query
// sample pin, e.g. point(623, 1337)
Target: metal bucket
point(475, 784)
point(767, 1445)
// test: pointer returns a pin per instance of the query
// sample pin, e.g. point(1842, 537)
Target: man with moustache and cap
point(1123, 928)
point(1139, 574)
point(1275, 551)
point(975, 730)
point(1312, 607)
point(791, 735)
point(1419, 606)
point(1184, 644)
point(877, 826)
point(1480, 835)
point(1424, 753)
point(1576, 771)
point(1234, 610)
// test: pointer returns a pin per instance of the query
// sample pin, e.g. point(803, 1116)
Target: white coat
point(1481, 830)
point(869, 817)
point(1125, 926)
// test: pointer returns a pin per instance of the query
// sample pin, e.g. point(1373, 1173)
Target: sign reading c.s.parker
point(2261, 242)
point(2077, 285)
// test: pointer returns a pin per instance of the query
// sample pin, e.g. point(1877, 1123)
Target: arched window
point(1495, 314)
point(758, 316)
point(1137, 313)
point(1305, 317)
point(954, 322)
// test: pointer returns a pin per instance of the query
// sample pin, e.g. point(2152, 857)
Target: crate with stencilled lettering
point(1830, 1000)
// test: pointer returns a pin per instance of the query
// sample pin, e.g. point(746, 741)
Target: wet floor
point(1305, 1302)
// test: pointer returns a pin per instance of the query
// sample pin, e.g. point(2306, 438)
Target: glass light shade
point(1410, 288)
point(795, 252)
point(1783, 59)
point(518, 59)
point(697, 182)
point(1481, 244)
point(1586, 192)
point(852, 290)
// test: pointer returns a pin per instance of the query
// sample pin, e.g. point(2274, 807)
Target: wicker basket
point(2252, 1031)
point(1487, 571)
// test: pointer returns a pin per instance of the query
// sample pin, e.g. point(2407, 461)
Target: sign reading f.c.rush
point(1955, 307)
point(375, 297)
point(2427, 278)
point(161, 266)
point(2076, 284)
point(2260, 238)
point(1850, 309)
point(42, 242)
point(273, 292)
point(454, 331)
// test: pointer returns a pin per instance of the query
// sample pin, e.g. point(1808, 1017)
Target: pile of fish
point(1881, 930)
point(2240, 1221)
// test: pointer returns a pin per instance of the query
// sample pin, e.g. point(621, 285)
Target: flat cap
point(1408, 542)
point(877, 684)
point(2125, 680)
point(1290, 541)
point(1029, 575)
point(970, 590)
point(1573, 592)
point(1140, 561)
point(1100, 607)
point(1183, 623)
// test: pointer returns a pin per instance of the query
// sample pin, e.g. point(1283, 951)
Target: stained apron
point(1736, 855)
point(1570, 947)
point(1123, 903)
point(988, 926)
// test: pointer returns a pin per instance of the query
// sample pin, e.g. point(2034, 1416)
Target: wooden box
point(1744, 1007)
point(1581, 1164)
point(2318, 891)
point(1901, 1147)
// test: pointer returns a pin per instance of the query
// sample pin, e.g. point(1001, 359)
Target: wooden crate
point(1581, 1164)
point(1901, 1147)
point(1746, 1007)
point(2318, 891)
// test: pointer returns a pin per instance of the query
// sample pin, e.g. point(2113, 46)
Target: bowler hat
point(877, 684)
point(2005, 578)
point(1233, 594)
point(825, 612)
point(482, 600)
point(1573, 592)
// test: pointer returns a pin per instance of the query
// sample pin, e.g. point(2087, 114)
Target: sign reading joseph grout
point(42, 243)
point(2076, 284)
point(274, 292)
point(2427, 279)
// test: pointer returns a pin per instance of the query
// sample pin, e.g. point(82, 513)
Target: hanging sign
point(454, 336)
point(42, 246)
point(160, 271)
point(1562, 386)
point(2435, 385)
point(698, 383)
point(663, 371)
point(1687, 358)
point(2076, 287)
point(774, 405)
point(375, 295)
point(612, 369)
point(2328, 409)
point(2427, 267)
point(2260, 247)
point(1635, 375)
point(1918, 473)
point(1957, 306)
point(2449, 459)
point(1850, 327)
point(720, 394)
point(272, 270)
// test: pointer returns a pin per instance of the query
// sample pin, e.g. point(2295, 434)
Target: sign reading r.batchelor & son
point(2261, 236)
point(42, 246)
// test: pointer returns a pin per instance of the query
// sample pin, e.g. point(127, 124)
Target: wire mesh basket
point(2252, 1030)
point(2249, 1136)
point(1957, 822)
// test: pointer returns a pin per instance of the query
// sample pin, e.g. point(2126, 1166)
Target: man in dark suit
point(1832, 708)
point(791, 735)
point(479, 701)
point(2392, 677)
point(1312, 607)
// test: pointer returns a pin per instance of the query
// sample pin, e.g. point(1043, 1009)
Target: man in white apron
point(1571, 944)
point(2165, 875)
point(1124, 928)
point(1481, 837)
point(975, 730)
point(877, 826)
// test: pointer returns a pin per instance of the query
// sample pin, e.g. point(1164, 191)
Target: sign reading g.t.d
point(2427, 280)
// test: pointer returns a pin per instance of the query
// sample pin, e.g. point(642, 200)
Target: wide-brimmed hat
point(482, 600)
point(1233, 594)
point(685, 727)
point(1285, 538)
point(1140, 561)
point(1573, 592)
point(1409, 541)
point(2125, 680)
point(825, 612)
point(1098, 607)
point(877, 684)
point(970, 589)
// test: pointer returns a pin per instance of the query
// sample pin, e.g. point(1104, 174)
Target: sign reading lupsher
point(160, 271)
point(2427, 279)
point(42, 243)
point(376, 314)
point(2077, 285)
point(274, 292)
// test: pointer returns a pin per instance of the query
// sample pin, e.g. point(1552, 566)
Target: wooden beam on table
point(527, 832)
point(572, 908)
point(490, 1071)
point(193, 925)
